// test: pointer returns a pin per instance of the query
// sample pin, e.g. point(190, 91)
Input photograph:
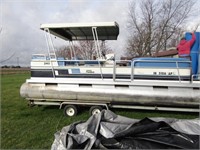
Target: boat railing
point(133, 62)
point(195, 76)
point(76, 62)
point(64, 62)
point(116, 62)
point(175, 64)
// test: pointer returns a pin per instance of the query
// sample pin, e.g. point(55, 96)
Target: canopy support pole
point(48, 47)
point(72, 50)
point(97, 47)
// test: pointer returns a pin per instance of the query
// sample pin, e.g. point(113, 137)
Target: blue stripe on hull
point(65, 74)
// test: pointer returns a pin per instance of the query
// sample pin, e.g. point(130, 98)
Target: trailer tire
point(70, 110)
point(95, 110)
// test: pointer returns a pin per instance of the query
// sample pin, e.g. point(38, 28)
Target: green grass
point(24, 127)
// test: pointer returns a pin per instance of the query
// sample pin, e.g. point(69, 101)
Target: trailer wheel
point(70, 110)
point(95, 110)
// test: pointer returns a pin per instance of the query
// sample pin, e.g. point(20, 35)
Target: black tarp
point(110, 131)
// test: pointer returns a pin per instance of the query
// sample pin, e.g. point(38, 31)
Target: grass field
point(24, 127)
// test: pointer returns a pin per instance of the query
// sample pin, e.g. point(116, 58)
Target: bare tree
point(155, 25)
point(83, 50)
point(197, 25)
point(87, 49)
point(2, 61)
point(63, 51)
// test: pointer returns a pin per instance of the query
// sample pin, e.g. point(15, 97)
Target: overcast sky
point(20, 22)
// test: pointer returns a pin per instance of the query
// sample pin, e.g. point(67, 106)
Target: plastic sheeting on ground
point(107, 130)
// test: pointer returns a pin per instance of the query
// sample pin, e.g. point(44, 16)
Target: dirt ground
point(14, 70)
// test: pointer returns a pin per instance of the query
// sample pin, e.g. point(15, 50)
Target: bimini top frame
point(82, 31)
